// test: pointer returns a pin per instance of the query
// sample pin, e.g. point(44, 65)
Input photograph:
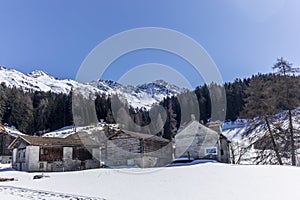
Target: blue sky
point(242, 37)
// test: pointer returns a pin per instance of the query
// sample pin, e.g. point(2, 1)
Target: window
point(211, 151)
point(81, 154)
point(222, 152)
point(41, 165)
point(51, 154)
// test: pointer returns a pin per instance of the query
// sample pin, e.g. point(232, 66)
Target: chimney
point(216, 126)
point(193, 118)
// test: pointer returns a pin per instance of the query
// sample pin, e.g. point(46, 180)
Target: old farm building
point(115, 147)
point(87, 150)
point(32, 153)
point(198, 141)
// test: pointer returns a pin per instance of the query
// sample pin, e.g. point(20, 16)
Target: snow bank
point(206, 181)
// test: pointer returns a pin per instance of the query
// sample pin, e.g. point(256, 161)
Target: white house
point(198, 141)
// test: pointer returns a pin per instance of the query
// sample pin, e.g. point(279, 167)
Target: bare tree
point(260, 108)
point(287, 93)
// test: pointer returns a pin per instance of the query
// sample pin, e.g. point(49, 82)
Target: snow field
point(211, 181)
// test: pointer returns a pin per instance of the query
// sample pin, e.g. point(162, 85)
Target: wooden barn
point(198, 141)
point(33, 153)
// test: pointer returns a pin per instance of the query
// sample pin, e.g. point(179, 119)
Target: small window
point(211, 151)
point(41, 165)
point(42, 152)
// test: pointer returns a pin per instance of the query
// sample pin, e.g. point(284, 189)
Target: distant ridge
point(144, 95)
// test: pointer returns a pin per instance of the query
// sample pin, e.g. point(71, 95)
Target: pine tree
point(19, 110)
point(170, 127)
point(3, 100)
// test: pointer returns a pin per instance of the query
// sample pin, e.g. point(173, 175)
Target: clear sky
point(243, 37)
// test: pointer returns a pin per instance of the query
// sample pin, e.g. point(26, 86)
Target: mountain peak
point(2, 68)
point(161, 82)
point(39, 73)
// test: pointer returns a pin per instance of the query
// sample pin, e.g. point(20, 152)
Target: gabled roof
point(140, 136)
point(51, 141)
point(193, 128)
point(194, 125)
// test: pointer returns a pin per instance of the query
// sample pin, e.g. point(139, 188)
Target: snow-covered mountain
point(137, 96)
point(142, 95)
point(40, 81)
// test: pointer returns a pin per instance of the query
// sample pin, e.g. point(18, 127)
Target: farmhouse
point(33, 153)
point(198, 141)
point(5, 139)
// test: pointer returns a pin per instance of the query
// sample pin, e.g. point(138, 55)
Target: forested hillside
point(39, 112)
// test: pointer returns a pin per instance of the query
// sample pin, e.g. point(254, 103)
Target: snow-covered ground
point(211, 181)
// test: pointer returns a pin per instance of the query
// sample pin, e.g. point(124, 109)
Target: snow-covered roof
point(10, 130)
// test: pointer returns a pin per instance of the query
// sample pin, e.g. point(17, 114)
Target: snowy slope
point(235, 131)
point(205, 181)
point(140, 96)
point(242, 139)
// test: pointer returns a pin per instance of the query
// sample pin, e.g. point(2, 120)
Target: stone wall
point(124, 150)
point(32, 158)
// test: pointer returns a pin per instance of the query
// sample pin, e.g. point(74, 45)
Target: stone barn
point(197, 141)
point(125, 148)
point(5, 140)
point(33, 153)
